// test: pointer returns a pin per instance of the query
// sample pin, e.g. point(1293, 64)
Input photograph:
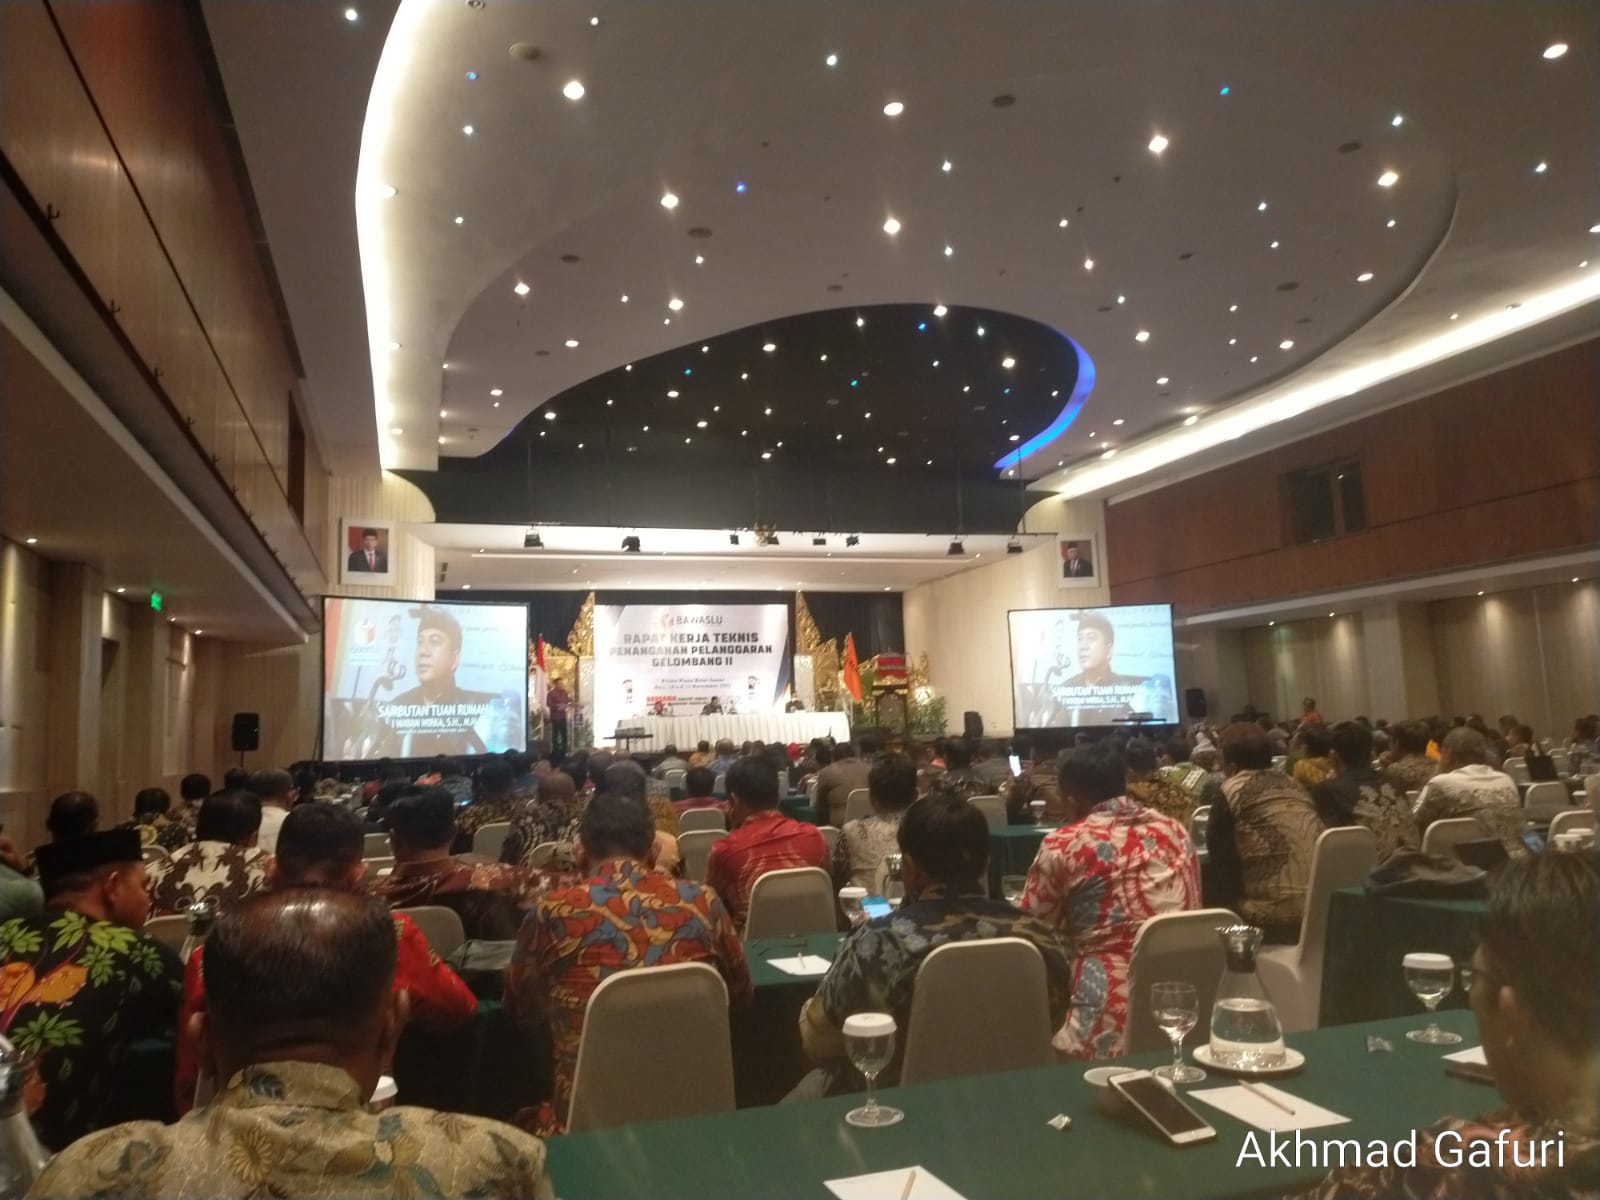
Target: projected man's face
point(437, 657)
point(1094, 650)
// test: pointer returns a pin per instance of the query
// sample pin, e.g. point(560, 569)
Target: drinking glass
point(850, 899)
point(1431, 977)
point(1036, 807)
point(869, 1041)
point(1012, 887)
point(1176, 1008)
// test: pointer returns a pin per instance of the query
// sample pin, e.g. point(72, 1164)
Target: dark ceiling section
point(858, 418)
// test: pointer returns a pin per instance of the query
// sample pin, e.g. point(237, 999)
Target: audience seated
point(697, 785)
point(1178, 766)
point(1409, 763)
point(72, 814)
point(1312, 761)
point(152, 821)
point(701, 755)
point(1260, 838)
point(627, 778)
point(671, 760)
point(541, 819)
point(1358, 794)
point(726, 754)
point(493, 801)
point(222, 863)
point(1583, 747)
point(848, 771)
point(1151, 788)
point(488, 897)
point(276, 792)
point(624, 914)
point(20, 895)
point(301, 1021)
point(762, 838)
point(1466, 786)
point(944, 847)
point(1112, 867)
point(192, 791)
point(990, 766)
point(1531, 985)
point(1038, 781)
point(863, 843)
point(79, 982)
point(959, 772)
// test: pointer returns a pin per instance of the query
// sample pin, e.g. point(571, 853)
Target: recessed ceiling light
point(939, 310)
point(699, 424)
point(672, 395)
point(1271, 622)
point(893, 109)
point(120, 590)
point(866, 416)
point(766, 454)
point(1162, 381)
point(675, 304)
point(1388, 179)
point(1595, 228)
point(1158, 144)
point(1455, 316)
point(891, 226)
point(396, 430)
point(1389, 224)
point(1574, 579)
point(947, 166)
point(1275, 245)
point(1233, 341)
point(1109, 454)
point(1088, 264)
point(1191, 420)
point(1142, 336)
point(32, 541)
point(468, 130)
point(832, 60)
point(1063, 223)
point(668, 200)
point(949, 250)
point(1286, 344)
point(1233, 308)
point(767, 412)
point(1333, 614)
point(1262, 207)
point(980, 331)
point(386, 190)
point(1480, 593)
point(1255, 358)
point(1118, 421)
point(574, 90)
point(522, 289)
point(496, 404)
point(1553, 51)
point(1541, 167)
point(769, 347)
point(1008, 362)
point(1364, 277)
point(549, 414)
point(624, 297)
point(1122, 299)
point(461, 220)
point(351, 14)
point(699, 260)
point(1397, 120)
point(572, 343)
point(666, 320)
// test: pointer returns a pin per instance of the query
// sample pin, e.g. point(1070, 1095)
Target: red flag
point(539, 655)
point(852, 668)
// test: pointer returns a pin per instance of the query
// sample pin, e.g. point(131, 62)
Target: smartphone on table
point(876, 906)
point(1155, 1100)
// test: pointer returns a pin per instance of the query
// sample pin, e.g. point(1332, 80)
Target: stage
point(686, 732)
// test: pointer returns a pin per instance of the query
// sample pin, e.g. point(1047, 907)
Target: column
point(1402, 675)
point(72, 760)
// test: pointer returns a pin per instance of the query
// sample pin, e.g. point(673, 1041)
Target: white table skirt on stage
point(686, 732)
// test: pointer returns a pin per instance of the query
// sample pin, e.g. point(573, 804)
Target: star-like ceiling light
point(893, 109)
point(1008, 362)
point(768, 347)
point(1555, 50)
point(1158, 144)
point(1364, 277)
point(1162, 381)
point(574, 90)
point(1286, 344)
point(1088, 264)
point(891, 226)
point(521, 289)
point(832, 60)
point(939, 310)
point(1388, 179)
point(675, 304)
point(1142, 336)
point(668, 200)
point(572, 343)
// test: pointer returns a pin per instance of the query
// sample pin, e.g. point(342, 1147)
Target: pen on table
point(911, 1179)
point(1261, 1095)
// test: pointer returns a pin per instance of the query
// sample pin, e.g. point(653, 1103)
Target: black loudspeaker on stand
point(1194, 702)
point(972, 725)
point(246, 733)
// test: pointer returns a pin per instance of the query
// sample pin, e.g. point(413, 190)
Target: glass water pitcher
point(1245, 1031)
point(22, 1158)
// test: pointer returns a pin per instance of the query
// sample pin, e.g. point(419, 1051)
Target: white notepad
point(1474, 1055)
point(891, 1185)
point(803, 964)
point(1254, 1110)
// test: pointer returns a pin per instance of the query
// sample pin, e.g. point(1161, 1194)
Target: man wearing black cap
point(79, 982)
point(1096, 694)
point(436, 716)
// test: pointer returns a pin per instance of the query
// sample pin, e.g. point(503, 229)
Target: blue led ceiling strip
point(1068, 414)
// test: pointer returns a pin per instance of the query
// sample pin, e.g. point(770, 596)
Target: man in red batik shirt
point(763, 839)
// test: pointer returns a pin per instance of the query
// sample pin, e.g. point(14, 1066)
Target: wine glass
point(1012, 887)
point(1036, 807)
point(1431, 977)
point(869, 1041)
point(850, 902)
point(1176, 1008)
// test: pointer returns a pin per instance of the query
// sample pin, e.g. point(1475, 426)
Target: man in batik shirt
point(625, 914)
point(944, 849)
point(1359, 795)
point(1151, 788)
point(222, 863)
point(1097, 879)
point(152, 820)
point(494, 801)
point(865, 842)
point(301, 1020)
point(79, 982)
point(763, 839)
point(1531, 985)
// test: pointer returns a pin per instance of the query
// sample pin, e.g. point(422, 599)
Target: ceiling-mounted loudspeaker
point(852, 540)
point(532, 541)
point(956, 549)
point(1013, 546)
point(819, 541)
point(630, 544)
point(733, 539)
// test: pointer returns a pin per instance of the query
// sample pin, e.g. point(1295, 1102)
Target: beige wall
point(1323, 658)
point(959, 621)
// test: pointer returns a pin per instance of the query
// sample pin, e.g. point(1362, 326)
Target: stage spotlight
point(631, 544)
point(852, 540)
point(532, 541)
point(1013, 547)
point(733, 539)
point(956, 549)
point(819, 541)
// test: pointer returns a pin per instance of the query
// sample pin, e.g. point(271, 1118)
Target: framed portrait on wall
point(366, 555)
point(1079, 564)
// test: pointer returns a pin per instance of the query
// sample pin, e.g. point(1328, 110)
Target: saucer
point(1293, 1060)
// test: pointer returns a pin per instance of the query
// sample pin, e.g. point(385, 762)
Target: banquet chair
point(379, 866)
point(701, 818)
point(1293, 974)
point(169, 931)
point(1549, 794)
point(440, 925)
point(1198, 820)
point(376, 846)
point(490, 839)
point(1177, 947)
point(1562, 762)
point(994, 811)
point(154, 854)
point(1441, 837)
point(1571, 822)
point(542, 855)
point(978, 1007)
point(719, 786)
point(830, 834)
point(674, 778)
point(857, 804)
point(1517, 768)
point(791, 903)
point(694, 847)
point(628, 1072)
point(811, 792)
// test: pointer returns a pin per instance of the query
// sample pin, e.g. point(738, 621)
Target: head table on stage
point(657, 733)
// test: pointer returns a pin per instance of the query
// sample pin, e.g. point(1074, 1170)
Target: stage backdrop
point(683, 655)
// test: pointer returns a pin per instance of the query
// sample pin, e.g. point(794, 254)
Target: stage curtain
point(875, 618)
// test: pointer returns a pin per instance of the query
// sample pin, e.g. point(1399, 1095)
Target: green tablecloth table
point(1012, 851)
point(768, 1059)
point(796, 807)
point(1369, 935)
point(987, 1136)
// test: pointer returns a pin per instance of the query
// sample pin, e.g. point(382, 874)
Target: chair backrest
point(675, 777)
point(490, 839)
point(1180, 947)
point(542, 854)
point(790, 902)
point(377, 846)
point(994, 811)
point(1341, 858)
point(701, 818)
point(1562, 761)
point(978, 1007)
point(169, 931)
point(377, 865)
point(1571, 822)
point(1412, 796)
point(154, 853)
point(811, 791)
point(1198, 820)
point(1441, 837)
point(830, 834)
point(1517, 768)
point(627, 1071)
point(694, 847)
point(857, 804)
point(719, 786)
point(441, 926)
point(1550, 793)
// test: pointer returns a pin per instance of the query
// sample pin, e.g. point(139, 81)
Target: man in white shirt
point(1466, 786)
point(275, 790)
